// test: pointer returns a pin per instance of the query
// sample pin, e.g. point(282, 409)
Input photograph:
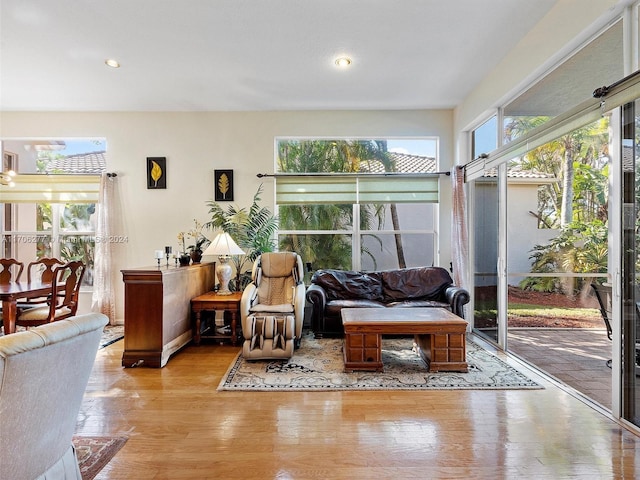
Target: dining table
point(11, 292)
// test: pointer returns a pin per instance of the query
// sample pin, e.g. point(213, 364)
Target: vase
point(184, 260)
point(196, 256)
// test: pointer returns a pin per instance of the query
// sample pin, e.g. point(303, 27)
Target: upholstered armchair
point(272, 307)
point(43, 376)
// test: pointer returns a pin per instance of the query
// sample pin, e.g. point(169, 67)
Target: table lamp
point(223, 246)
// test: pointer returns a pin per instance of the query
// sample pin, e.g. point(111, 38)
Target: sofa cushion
point(420, 282)
point(419, 303)
point(344, 284)
point(334, 307)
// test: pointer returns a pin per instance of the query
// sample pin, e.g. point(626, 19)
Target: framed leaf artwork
point(156, 172)
point(223, 185)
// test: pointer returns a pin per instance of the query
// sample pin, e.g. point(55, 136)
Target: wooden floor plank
point(180, 427)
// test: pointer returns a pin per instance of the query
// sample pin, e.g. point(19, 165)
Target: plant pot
point(184, 260)
point(196, 256)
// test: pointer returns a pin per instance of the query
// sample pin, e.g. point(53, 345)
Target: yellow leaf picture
point(156, 172)
point(223, 185)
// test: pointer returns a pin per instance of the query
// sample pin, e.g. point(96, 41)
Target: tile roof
point(405, 163)
point(84, 163)
point(516, 172)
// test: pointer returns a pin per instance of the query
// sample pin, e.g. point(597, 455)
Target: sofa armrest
point(457, 297)
point(317, 297)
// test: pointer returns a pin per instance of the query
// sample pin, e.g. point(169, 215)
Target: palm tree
point(320, 156)
point(576, 205)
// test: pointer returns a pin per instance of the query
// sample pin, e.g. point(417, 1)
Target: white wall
point(568, 24)
point(197, 143)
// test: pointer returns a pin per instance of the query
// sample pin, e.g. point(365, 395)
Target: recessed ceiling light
point(343, 62)
point(112, 63)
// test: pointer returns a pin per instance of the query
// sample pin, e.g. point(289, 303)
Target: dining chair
point(10, 270)
point(65, 291)
point(42, 270)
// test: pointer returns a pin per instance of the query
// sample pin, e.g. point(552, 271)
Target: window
point(50, 211)
point(358, 204)
point(484, 138)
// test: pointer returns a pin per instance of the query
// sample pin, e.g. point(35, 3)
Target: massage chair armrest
point(248, 299)
point(457, 297)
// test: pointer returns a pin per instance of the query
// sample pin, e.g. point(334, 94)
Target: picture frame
point(156, 173)
point(223, 185)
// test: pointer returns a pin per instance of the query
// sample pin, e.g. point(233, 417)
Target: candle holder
point(158, 255)
point(167, 251)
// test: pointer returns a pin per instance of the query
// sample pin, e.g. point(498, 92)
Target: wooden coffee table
point(438, 333)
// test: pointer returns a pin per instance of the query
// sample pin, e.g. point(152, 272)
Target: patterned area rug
point(111, 334)
point(95, 452)
point(318, 365)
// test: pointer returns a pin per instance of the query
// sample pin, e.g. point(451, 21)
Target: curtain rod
point(387, 174)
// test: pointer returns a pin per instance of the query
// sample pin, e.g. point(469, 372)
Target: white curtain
point(103, 300)
point(459, 234)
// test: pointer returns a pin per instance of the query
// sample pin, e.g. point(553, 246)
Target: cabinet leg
point(196, 333)
point(234, 334)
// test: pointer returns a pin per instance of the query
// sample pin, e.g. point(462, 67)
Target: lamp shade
point(223, 244)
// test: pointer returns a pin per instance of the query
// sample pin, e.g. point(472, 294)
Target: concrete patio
point(575, 356)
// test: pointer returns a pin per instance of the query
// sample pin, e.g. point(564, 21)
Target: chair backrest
point(603, 295)
point(43, 376)
point(10, 270)
point(275, 275)
point(69, 276)
point(42, 269)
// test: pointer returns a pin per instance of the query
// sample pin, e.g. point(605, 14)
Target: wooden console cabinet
point(157, 310)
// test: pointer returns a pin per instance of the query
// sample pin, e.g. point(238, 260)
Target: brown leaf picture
point(223, 185)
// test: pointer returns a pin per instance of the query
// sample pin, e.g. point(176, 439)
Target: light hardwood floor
point(180, 427)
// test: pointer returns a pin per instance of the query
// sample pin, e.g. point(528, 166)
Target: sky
point(423, 146)
point(74, 147)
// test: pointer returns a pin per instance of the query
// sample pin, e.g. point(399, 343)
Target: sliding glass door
point(630, 263)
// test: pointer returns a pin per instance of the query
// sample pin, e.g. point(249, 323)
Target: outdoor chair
point(603, 295)
point(272, 307)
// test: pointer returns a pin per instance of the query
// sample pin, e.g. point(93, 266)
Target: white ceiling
point(204, 55)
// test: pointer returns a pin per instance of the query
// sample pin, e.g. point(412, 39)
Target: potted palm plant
point(252, 229)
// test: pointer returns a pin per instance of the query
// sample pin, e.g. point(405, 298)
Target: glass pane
point(485, 208)
point(485, 137)
point(31, 217)
point(598, 63)
point(319, 250)
point(401, 216)
point(557, 246)
point(356, 155)
point(316, 217)
point(78, 217)
point(630, 325)
point(385, 251)
point(79, 247)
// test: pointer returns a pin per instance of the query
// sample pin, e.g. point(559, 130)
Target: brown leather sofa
point(332, 290)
